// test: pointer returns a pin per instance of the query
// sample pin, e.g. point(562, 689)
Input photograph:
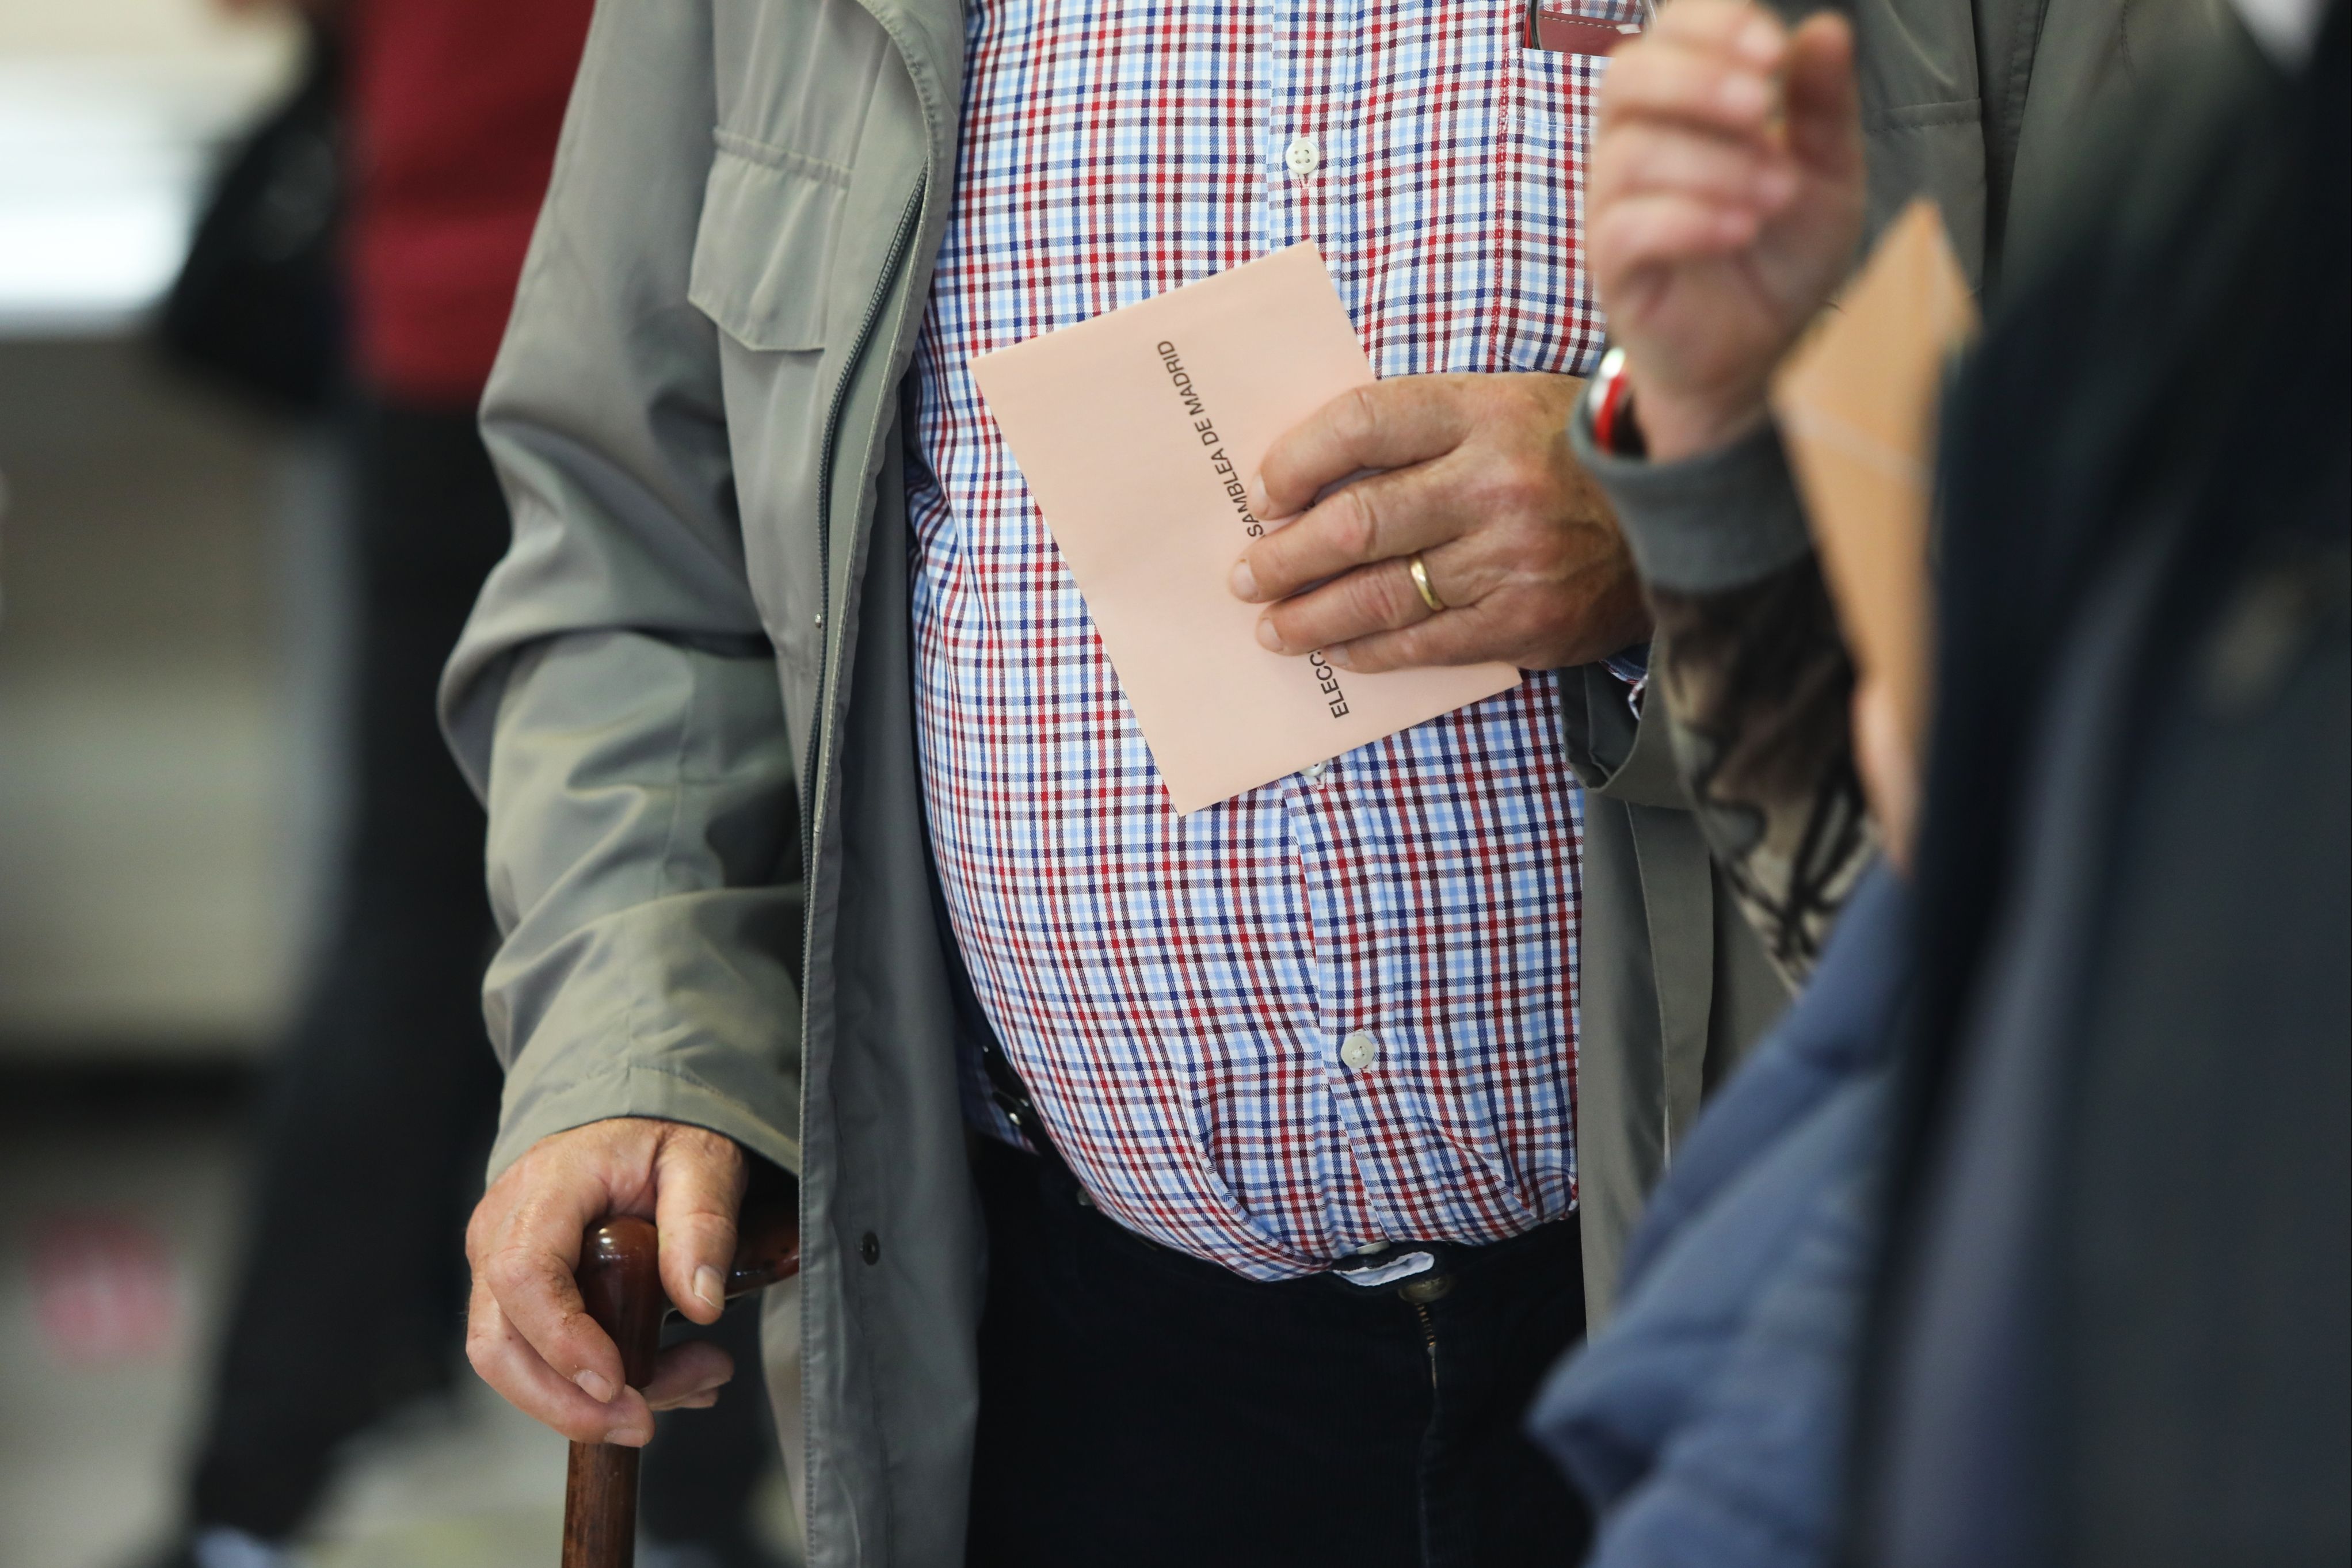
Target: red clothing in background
point(455, 108)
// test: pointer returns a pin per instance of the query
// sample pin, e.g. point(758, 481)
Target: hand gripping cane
point(624, 1294)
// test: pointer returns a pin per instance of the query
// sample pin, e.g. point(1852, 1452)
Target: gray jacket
point(687, 700)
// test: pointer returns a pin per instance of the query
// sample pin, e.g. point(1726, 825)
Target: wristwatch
point(1609, 409)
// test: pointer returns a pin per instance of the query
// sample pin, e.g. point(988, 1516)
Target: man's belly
point(1335, 1010)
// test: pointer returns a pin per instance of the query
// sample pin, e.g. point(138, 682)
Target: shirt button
point(1302, 156)
point(1358, 1050)
point(1314, 772)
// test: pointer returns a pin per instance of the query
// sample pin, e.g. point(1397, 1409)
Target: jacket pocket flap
point(765, 242)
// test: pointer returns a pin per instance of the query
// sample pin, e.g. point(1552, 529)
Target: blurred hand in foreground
point(1725, 205)
point(528, 1333)
point(1475, 478)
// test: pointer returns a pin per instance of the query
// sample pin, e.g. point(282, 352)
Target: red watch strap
point(1612, 405)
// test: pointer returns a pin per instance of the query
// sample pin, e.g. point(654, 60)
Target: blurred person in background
point(2056, 1163)
point(383, 1099)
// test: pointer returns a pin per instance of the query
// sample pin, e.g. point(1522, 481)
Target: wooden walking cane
point(624, 1294)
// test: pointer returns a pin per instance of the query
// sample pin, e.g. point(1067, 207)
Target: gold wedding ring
point(1420, 582)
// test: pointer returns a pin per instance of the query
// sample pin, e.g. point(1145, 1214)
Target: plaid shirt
point(1339, 1010)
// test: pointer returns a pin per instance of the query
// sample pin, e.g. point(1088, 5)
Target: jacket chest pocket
point(763, 250)
point(763, 273)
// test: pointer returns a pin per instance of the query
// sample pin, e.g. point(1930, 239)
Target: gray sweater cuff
point(1707, 524)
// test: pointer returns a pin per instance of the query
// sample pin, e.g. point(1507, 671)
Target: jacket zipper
point(906, 221)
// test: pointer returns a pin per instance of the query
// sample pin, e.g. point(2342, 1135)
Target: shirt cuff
point(1707, 524)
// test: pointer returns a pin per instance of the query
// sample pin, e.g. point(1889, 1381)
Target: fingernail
point(632, 1423)
point(708, 1286)
point(1743, 94)
point(1259, 501)
point(593, 1385)
point(1244, 582)
point(1268, 638)
point(1338, 656)
point(1759, 41)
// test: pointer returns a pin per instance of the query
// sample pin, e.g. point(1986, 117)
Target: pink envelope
point(1138, 433)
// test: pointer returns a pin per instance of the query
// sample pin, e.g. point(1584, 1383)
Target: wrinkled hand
point(1475, 477)
point(1725, 207)
point(528, 1333)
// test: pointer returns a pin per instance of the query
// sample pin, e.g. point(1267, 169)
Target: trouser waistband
point(1417, 1271)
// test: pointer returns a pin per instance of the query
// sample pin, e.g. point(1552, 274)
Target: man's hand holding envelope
point(1424, 537)
point(1139, 433)
point(1470, 475)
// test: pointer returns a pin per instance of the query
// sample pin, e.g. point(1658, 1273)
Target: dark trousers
point(1141, 1407)
point(379, 1116)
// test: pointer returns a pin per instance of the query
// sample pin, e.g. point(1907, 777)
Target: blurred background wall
point(166, 643)
point(171, 595)
point(163, 782)
point(178, 597)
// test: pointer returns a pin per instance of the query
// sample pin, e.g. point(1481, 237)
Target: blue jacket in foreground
point(1706, 1421)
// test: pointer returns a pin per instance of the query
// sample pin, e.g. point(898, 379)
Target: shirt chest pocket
point(1547, 318)
point(763, 250)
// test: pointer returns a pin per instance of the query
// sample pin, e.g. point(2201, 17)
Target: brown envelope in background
point(1856, 405)
point(1138, 433)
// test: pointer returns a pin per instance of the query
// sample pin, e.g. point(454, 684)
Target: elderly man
point(1304, 1127)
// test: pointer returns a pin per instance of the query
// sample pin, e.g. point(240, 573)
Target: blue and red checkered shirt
point(1339, 1010)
